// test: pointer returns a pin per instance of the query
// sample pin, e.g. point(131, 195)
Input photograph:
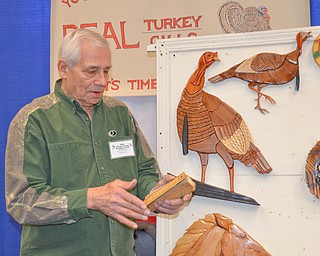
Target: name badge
point(121, 148)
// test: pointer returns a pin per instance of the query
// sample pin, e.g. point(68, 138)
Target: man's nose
point(101, 78)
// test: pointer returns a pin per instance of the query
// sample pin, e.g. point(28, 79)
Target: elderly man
point(77, 164)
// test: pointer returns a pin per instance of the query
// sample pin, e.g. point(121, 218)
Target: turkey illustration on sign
point(236, 19)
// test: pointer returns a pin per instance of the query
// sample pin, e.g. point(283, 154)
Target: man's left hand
point(170, 206)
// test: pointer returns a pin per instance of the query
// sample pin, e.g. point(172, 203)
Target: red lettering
point(108, 26)
point(145, 83)
point(109, 33)
point(172, 23)
point(69, 26)
point(165, 37)
point(192, 34)
point(186, 22)
point(196, 21)
point(167, 23)
point(88, 25)
point(124, 45)
point(149, 22)
point(113, 85)
point(155, 25)
point(176, 23)
point(140, 84)
point(73, 27)
point(131, 82)
point(67, 2)
point(154, 83)
point(153, 39)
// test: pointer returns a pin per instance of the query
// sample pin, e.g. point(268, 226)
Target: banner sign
point(130, 26)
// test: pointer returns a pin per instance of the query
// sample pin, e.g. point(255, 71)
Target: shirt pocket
point(121, 157)
point(67, 165)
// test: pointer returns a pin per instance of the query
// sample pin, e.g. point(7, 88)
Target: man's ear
point(62, 68)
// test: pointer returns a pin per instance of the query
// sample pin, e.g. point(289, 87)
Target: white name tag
point(121, 148)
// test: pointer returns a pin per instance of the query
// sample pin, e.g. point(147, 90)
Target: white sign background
point(287, 222)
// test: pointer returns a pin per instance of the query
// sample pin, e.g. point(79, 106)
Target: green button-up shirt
point(54, 154)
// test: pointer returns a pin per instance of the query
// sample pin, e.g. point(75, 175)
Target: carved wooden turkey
point(207, 125)
point(312, 170)
point(266, 69)
point(217, 235)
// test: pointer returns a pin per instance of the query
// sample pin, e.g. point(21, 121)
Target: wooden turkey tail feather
point(224, 75)
point(217, 235)
point(255, 159)
point(241, 147)
point(297, 80)
point(184, 139)
point(218, 78)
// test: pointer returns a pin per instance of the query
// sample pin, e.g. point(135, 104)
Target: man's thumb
point(127, 185)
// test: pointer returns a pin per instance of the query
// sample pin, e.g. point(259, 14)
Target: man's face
point(86, 81)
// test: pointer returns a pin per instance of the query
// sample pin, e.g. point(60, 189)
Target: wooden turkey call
point(177, 188)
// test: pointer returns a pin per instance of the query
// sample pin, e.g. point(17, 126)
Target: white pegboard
point(286, 222)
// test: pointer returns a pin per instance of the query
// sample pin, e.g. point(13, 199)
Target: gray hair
point(70, 46)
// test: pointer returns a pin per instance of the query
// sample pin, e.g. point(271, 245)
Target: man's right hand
point(114, 200)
